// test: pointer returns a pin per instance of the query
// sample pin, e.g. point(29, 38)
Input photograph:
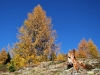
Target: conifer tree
point(35, 36)
point(92, 49)
point(53, 56)
point(3, 56)
point(18, 61)
point(82, 48)
point(8, 58)
point(60, 57)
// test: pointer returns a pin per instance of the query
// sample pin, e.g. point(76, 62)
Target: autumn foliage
point(36, 43)
point(92, 49)
point(82, 48)
point(36, 39)
point(61, 57)
point(87, 49)
point(4, 57)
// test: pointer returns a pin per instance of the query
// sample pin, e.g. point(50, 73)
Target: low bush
point(12, 68)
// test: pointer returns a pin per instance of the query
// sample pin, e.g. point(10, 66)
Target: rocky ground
point(59, 68)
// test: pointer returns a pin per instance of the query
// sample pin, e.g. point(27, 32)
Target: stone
point(90, 72)
point(96, 70)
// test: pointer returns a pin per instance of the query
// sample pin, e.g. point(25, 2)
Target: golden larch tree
point(18, 61)
point(82, 48)
point(36, 36)
point(60, 57)
point(3, 56)
point(92, 49)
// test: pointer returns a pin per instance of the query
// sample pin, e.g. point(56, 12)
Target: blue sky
point(72, 19)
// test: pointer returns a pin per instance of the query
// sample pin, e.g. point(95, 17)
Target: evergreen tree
point(8, 59)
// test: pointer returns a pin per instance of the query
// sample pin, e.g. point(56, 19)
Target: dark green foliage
point(8, 59)
point(12, 68)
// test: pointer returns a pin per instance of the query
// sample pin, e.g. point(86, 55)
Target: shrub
point(12, 68)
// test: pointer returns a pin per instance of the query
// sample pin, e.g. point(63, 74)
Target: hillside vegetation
point(37, 53)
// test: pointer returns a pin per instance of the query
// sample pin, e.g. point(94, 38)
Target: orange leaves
point(18, 61)
point(92, 49)
point(82, 48)
point(60, 57)
point(87, 49)
point(36, 37)
point(3, 56)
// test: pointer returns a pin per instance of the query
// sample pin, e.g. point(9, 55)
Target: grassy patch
point(52, 63)
point(41, 74)
point(3, 68)
point(33, 71)
point(16, 73)
point(5, 74)
point(57, 72)
point(55, 62)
